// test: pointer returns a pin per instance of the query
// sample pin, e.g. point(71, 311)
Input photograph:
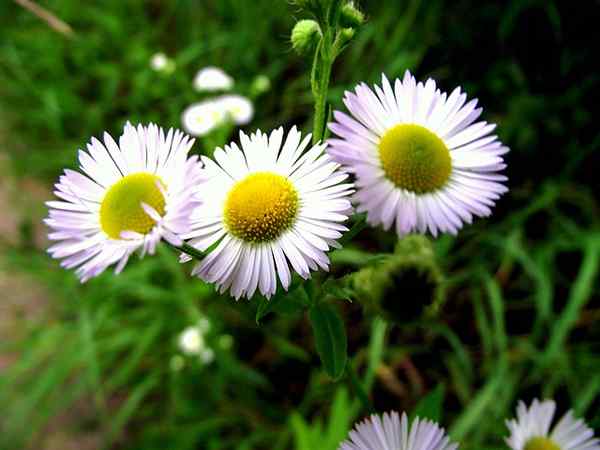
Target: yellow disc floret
point(414, 158)
point(541, 443)
point(261, 207)
point(121, 208)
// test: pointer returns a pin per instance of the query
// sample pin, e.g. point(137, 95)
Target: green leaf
point(430, 406)
point(330, 339)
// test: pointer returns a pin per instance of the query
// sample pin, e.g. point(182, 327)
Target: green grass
point(522, 305)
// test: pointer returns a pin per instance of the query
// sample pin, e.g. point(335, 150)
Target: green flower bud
point(351, 16)
point(345, 35)
point(305, 36)
point(405, 287)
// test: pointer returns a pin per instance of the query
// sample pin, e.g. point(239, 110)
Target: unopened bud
point(407, 286)
point(346, 35)
point(305, 36)
point(351, 16)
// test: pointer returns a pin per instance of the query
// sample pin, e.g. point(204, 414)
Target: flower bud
point(305, 36)
point(351, 16)
point(345, 35)
point(407, 286)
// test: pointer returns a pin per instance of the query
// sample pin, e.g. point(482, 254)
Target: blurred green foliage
point(523, 301)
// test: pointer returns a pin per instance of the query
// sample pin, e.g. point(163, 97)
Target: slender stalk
point(320, 76)
point(320, 120)
point(188, 250)
point(359, 389)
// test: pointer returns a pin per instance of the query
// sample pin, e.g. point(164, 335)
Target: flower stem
point(188, 250)
point(359, 389)
point(320, 76)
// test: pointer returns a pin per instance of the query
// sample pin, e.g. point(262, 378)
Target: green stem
point(359, 389)
point(188, 250)
point(320, 77)
point(321, 118)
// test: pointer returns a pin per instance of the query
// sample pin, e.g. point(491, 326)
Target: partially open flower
point(130, 195)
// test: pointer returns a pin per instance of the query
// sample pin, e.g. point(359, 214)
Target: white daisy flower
point(201, 118)
point(162, 63)
point(129, 196)
point(392, 432)
point(159, 61)
point(268, 205)
point(211, 79)
point(237, 107)
point(419, 157)
point(531, 430)
point(191, 341)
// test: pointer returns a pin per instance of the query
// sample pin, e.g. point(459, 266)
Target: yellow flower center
point(121, 208)
point(541, 443)
point(414, 158)
point(261, 207)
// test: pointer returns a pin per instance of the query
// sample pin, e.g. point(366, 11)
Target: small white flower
point(390, 432)
point(159, 61)
point(162, 63)
point(270, 204)
point(531, 430)
point(237, 107)
point(130, 195)
point(419, 157)
point(201, 118)
point(191, 341)
point(212, 79)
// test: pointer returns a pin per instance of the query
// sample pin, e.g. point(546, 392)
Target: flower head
point(201, 118)
point(212, 79)
point(129, 196)
point(531, 430)
point(191, 341)
point(269, 205)
point(162, 63)
point(238, 108)
point(419, 157)
point(394, 432)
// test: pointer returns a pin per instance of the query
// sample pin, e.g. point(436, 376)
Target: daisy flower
point(395, 433)
point(212, 79)
point(270, 205)
point(162, 63)
point(239, 108)
point(191, 341)
point(419, 157)
point(201, 118)
point(129, 196)
point(531, 430)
